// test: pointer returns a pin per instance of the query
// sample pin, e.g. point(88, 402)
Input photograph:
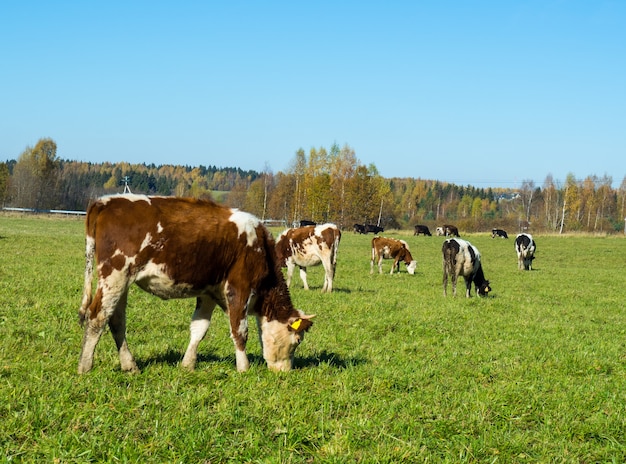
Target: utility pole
point(126, 180)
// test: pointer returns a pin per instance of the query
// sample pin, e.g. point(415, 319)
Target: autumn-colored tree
point(343, 163)
point(4, 182)
point(35, 176)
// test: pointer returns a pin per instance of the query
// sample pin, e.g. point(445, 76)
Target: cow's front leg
point(200, 322)
point(238, 303)
point(468, 287)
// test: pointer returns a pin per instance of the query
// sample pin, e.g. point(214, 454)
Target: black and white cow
point(499, 233)
point(306, 222)
point(460, 257)
point(420, 229)
point(525, 247)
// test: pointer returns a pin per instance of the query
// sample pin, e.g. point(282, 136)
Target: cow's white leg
point(380, 265)
point(198, 327)
point(290, 267)
point(468, 286)
point(91, 336)
point(117, 324)
point(303, 277)
point(328, 276)
point(238, 302)
point(108, 295)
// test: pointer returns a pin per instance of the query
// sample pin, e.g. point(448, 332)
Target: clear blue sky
point(488, 93)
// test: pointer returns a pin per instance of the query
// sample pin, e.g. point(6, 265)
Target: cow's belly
point(153, 279)
point(306, 260)
point(164, 287)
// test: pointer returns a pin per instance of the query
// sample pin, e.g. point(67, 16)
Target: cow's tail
point(90, 257)
point(449, 260)
point(335, 249)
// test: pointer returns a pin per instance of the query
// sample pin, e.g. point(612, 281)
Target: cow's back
point(180, 236)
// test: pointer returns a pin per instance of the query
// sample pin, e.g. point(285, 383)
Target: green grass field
point(391, 371)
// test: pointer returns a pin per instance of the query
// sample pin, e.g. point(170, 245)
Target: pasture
point(391, 371)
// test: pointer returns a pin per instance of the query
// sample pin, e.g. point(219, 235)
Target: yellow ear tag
point(296, 324)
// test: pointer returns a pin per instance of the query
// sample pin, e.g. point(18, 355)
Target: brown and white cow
point(183, 248)
point(310, 246)
point(460, 257)
point(448, 230)
point(391, 248)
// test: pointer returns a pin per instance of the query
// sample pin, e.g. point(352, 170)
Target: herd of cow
point(183, 248)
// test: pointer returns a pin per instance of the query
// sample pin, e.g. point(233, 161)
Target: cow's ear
point(300, 324)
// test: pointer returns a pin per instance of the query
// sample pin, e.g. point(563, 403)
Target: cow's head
point(280, 340)
point(440, 231)
point(410, 268)
point(484, 289)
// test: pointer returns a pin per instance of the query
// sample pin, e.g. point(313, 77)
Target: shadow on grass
point(325, 357)
point(174, 358)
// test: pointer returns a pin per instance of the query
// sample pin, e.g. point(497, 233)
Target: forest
point(323, 185)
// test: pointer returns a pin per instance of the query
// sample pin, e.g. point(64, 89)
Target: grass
point(391, 371)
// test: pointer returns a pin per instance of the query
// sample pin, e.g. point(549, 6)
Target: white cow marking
point(246, 224)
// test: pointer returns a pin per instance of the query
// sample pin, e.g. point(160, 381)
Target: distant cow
point(460, 257)
point(359, 228)
point(448, 230)
point(391, 248)
point(525, 247)
point(184, 248)
point(373, 229)
point(419, 229)
point(306, 222)
point(310, 246)
point(498, 233)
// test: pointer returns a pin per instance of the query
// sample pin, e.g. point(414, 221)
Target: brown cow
point(182, 248)
point(310, 246)
point(391, 248)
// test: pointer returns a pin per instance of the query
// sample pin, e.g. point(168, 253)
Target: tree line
point(323, 185)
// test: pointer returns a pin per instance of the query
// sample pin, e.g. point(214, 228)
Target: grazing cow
point(310, 246)
point(498, 233)
point(359, 228)
point(419, 229)
point(306, 222)
point(460, 257)
point(184, 248)
point(525, 247)
point(448, 230)
point(372, 228)
point(391, 248)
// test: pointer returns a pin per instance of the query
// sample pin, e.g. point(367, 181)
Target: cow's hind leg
point(200, 322)
point(91, 336)
point(329, 273)
point(117, 324)
point(303, 277)
point(101, 309)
